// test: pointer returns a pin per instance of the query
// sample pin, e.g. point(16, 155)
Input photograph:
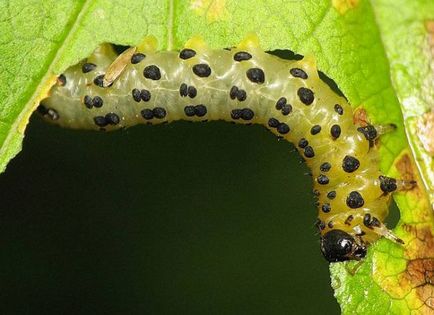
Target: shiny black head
point(337, 245)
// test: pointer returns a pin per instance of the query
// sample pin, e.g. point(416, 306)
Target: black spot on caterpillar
point(244, 85)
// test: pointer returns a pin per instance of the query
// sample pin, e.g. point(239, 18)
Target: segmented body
point(243, 85)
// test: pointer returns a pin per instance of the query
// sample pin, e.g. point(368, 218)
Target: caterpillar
point(243, 85)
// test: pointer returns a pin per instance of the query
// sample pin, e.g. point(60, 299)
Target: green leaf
point(356, 43)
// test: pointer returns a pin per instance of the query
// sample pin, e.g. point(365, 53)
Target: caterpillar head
point(337, 245)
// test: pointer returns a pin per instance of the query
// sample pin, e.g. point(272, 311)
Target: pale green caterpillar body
point(242, 85)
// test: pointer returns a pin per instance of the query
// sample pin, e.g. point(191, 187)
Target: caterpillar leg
point(403, 185)
point(373, 132)
point(383, 129)
point(380, 229)
point(389, 184)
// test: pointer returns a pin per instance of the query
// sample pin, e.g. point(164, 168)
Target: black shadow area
point(176, 219)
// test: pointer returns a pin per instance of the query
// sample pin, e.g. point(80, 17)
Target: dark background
point(176, 219)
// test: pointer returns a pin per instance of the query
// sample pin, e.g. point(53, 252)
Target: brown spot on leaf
point(360, 117)
point(425, 131)
point(419, 273)
point(405, 168)
point(429, 25)
point(422, 244)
